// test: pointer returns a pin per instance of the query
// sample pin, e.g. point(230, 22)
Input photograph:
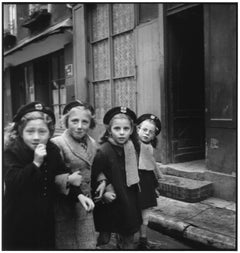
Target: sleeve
point(61, 178)
point(99, 169)
point(19, 177)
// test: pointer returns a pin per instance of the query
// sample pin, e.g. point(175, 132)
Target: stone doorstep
point(185, 189)
point(193, 170)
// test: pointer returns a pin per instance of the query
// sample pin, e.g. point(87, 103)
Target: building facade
point(38, 63)
point(177, 61)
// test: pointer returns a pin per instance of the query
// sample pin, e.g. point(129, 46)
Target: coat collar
point(87, 154)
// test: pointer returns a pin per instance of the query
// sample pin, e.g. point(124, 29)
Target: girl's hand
point(75, 178)
point(86, 202)
point(39, 154)
point(109, 197)
point(100, 190)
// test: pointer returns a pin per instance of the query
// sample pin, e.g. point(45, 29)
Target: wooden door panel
point(186, 81)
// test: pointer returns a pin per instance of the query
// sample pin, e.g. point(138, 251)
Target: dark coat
point(123, 215)
point(28, 201)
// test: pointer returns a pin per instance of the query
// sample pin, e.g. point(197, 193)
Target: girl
point(74, 221)
point(148, 127)
point(117, 160)
point(31, 163)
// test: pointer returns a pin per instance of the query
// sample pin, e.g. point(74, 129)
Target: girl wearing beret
point(31, 165)
point(74, 220)
point(117, 160)
point(148, 127)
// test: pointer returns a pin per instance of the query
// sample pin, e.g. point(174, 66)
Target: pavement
point(211, 222)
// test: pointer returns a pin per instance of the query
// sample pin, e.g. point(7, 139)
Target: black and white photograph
point(119, 126)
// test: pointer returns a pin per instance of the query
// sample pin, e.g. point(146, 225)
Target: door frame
point(166, 98)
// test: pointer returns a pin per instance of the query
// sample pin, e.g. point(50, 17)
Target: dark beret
point(76, 103)
point(152, 117)
point(32, 107)
point(116, 110)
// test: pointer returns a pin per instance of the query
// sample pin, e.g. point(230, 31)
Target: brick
point(185, 189)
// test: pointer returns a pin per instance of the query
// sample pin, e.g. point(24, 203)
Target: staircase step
point(185, 189)
point(192, 170)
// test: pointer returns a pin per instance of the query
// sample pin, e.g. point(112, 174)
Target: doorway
point(185, 86)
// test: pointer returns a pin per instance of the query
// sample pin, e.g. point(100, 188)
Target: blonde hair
point(65, 117)
point(14, 130)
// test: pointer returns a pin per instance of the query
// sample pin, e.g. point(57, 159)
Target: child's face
point(35, 132)
point(79, 123)
point(146, 131)
point(121, 130)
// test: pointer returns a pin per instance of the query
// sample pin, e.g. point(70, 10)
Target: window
point(112, 56)
point(10, 18)
point(37, 7)
point(147, 12)
point(58, 85)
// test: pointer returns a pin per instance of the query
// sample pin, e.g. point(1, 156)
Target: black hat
point(32, 107)
point(76, 103)
point(152, 117)
point(116, 110)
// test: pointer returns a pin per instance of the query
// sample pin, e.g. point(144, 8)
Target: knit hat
point(76, 103)
point(32, 107)
point(152, 117)
point(116, 110)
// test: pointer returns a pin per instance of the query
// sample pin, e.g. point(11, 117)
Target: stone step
point(193, 170)
point(185, 189)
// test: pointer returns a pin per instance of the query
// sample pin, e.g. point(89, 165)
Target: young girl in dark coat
point(117, 160)
point(31, 165)
point(148, 127)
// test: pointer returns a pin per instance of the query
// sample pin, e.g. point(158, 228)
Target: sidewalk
point(211, 222)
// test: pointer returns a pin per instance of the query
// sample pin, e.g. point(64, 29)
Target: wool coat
point(74, 226)
point(123, 215)
point(28, 200)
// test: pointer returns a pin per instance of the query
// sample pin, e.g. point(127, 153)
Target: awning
point(51, 30)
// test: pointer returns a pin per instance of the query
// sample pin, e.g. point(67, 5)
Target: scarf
point(131, 166)
point(146, 158)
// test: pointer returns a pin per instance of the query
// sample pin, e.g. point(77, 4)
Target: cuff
point(61, 182)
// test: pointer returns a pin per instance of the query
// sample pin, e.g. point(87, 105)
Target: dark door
point(42, 80)
point(221, 86)
point(18, 88)
point(186, 84)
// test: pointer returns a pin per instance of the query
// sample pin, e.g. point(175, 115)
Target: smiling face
point(36, 131)
point(146, 131)
point(120, 130)
point(79, 121)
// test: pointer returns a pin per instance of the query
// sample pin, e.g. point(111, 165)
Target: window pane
point(124, 63)
point(100, 22)
point(147, 12)
point(101, 60)
point(125, 86)
point(123, 17)
point(103, 101)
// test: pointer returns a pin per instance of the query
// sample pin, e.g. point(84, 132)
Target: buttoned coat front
point(74, 226)
point(28, 200)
